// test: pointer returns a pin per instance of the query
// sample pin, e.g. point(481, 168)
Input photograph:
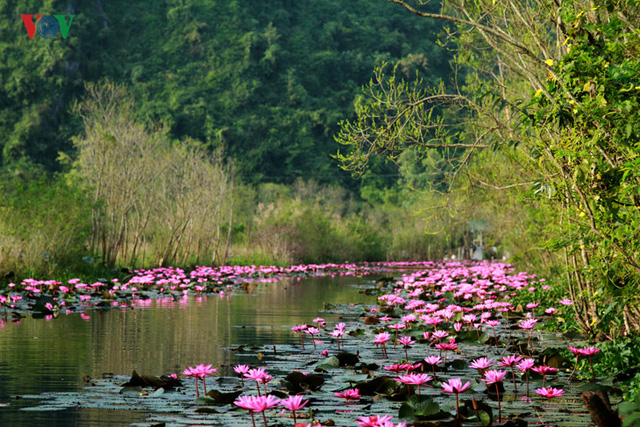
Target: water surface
point(156, 337)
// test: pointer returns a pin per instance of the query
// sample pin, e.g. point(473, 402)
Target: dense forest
point(267, 82)
point(186, 132)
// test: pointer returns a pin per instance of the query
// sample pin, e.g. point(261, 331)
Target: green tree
point(553, 88)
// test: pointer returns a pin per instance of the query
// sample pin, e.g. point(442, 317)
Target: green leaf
point(419, 407)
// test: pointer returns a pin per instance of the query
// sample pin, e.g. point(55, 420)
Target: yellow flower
point(549, 62)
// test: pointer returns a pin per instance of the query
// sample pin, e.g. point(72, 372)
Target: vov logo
point(47, 26)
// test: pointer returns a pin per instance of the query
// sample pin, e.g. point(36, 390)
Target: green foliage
point(630, 411)
point(619, 359)
point(44, 225)
point(266, 81)
point(420, 408)
point(586, 129)
point(547, 111)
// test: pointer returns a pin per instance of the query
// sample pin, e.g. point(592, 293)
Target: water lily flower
point(312, 331)
point(455, 386)
point(451, 345)
point(402, 367)
point(406, 342)
point(396, 327)
point(433, 361)
point(258, 375)
point(439, 334)
point(493, 324)
point(374, 421)
point(586, 351)
point(528, 324)
point(495, 377)
point(201, 372)
point(416, 379)
point(350, 394)
point(294, 403)
point(511, 361)
point(246, 402)
point(544, 370)
point(299, 329)
point(481, 364)
point(549, 392)
point(382, 338)
point(469, 318)
point(262, 403)
point(241, 369)
point(524, 366)
point(320, 321)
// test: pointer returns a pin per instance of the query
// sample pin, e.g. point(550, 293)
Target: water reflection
point(156, 337)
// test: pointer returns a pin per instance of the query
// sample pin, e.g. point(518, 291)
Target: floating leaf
point(298, 382)
point(347, 359)
point(421, 407)
point(223, 398)
point(142, 381)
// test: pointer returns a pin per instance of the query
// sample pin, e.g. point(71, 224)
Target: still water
point(157, 337)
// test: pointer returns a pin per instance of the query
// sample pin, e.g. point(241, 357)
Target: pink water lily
point(406, 342)
point(199, 372)
point(416, 379)
point(351, 394)
point(377, 421)
point(584, 352)
point(493, 324)
point(294, 403)
point(455, 386)
point(312, 331)
point(241, 369)
point(495, 377)
point(549, 392)
point(246, 402)
point(300, 329)
point(382, 338)
point(259, 375)
point(433, 361)
point(396, 327)
point(511, 361)
point(544, 370)
point(524, 366)
point(446, 346)
point(481, 364)
point(262, 403)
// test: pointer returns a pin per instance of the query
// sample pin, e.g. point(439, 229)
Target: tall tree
point(552, 86)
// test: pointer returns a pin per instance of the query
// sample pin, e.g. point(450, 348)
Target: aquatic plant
point(416, 379)
point(495, 377)
point(348, 395)
point(382, 338)
point(524, 366)
point(294, 403)
point(456, 387)
point(246, 402)
point(199, 372)
point(406, 342)
point(241, 369)
point(511, 361)
point(300, 329)
point(544, 370)
point(433, 361)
